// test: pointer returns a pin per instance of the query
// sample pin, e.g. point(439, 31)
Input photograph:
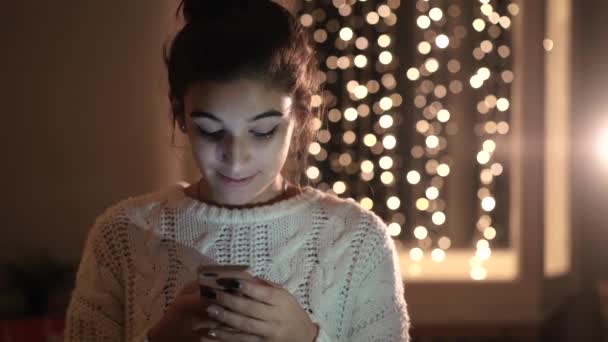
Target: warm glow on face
point(241, 150)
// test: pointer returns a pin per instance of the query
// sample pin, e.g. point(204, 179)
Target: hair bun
point(203, 10)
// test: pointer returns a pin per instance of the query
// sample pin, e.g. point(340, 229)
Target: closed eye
point(218, 135)
point(266, 135)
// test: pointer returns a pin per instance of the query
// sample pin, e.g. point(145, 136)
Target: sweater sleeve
point(380, 312)
point(96, 309)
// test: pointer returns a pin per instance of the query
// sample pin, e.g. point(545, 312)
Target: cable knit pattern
point(335, 257)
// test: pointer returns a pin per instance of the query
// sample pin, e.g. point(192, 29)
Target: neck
point(281, 190)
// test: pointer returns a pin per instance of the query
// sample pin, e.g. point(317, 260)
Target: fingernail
point(208, 292)
point(229, 283)
point(212, 310)
point(212, 333)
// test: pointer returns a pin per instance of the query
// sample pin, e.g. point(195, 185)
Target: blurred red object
point(32, 330)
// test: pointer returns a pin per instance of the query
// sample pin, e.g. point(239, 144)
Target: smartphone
point(205, 271)
point(207, 275)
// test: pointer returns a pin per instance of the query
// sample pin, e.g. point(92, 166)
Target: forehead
point(238, 98)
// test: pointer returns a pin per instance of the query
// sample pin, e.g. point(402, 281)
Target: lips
point(235, 181)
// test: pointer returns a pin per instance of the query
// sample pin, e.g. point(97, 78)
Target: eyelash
point(219, 134)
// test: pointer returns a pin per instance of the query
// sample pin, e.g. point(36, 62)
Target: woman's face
point(240, 133)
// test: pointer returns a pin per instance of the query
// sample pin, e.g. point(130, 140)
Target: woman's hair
point(225, 40)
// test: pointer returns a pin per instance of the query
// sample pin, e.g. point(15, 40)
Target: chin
point(243, 196)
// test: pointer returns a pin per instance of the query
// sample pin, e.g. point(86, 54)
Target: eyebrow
point(266, 114)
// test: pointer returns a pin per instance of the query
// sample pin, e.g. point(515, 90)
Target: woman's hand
point(185, 319)
point(266, 312)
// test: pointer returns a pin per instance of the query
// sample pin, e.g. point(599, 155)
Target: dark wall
point(82, 93)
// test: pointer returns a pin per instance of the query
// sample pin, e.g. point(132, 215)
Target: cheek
point(204, 153)
point(283, 143)
point(272, 153)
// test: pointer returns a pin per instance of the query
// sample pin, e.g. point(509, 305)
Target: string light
point(431, 103)
point(359, 148)
point(491, 27)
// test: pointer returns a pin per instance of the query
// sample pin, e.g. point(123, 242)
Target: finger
point(245, 306)
point(235, 320)
point(268, 282)
point(270, 295)
point(203, 334)
point(203, 321)
point(229, 336)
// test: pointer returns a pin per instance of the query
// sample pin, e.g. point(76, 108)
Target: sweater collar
point(213, 213)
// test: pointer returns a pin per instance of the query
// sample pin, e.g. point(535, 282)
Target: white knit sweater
point(334, 256)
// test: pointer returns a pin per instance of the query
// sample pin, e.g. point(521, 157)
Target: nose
point(234, 154)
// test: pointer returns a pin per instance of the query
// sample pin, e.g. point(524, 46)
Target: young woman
point(241, 76)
